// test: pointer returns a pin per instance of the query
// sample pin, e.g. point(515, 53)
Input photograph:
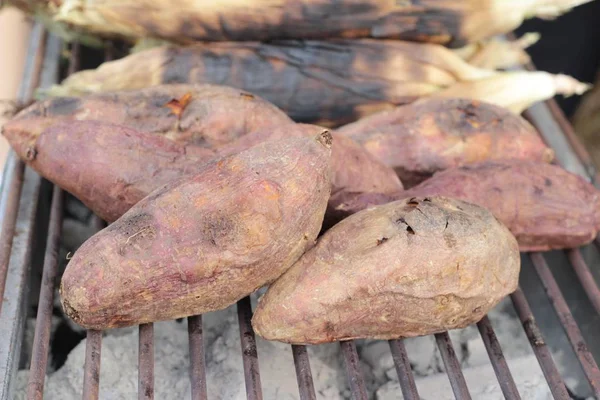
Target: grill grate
point(20, 200)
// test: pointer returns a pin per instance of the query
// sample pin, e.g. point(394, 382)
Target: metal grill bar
point(505, 379)
point(41, 340)
point(568, 322)
point(146, 362)
point(91, 369)
point(457, 379)
point(540, 349)
point(405, 375)
point(31, 78)
point(357, 383)
point(303, 373)
point(585, 277)
point(197, 367)
point(249, 352)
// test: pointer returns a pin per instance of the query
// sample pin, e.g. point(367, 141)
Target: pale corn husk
point(328, 82)
point(586, 121)
point(516, 90)
point(498, 53)
point(448, 22)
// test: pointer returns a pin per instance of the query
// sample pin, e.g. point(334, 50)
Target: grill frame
point(20, 193)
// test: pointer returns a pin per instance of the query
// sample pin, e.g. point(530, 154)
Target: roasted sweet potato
point(422, 138)
point(205, 115)
point(201, 244)
point(109, 167)
point(543, 205)
point(413, 267)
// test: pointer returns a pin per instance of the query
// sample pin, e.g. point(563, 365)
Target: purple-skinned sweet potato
point(422, 138)
point(109, 167)
point(408, 268)
point(204, 115)
point(202, 243)
point(543, 205)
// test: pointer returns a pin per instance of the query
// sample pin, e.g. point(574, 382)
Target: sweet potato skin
point(412, 267)
point(543, 205)
point(432, 135)
point(215, 115)
point(109, 167)
point(203, 243)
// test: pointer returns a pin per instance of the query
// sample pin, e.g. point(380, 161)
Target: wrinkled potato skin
point(109, 167)
point(409, 268)
point(202, 244)
point(543, 205)
point(214, 116)
point(432, 135)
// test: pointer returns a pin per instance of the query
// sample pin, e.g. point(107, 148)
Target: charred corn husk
point(313, 81)
point(448, 22)
point(516, 90)
point(497, 53)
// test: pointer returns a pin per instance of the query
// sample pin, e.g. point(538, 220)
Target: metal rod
point(43, 322)
point(405, 375)
point(455, 375)
point(146, 362)
point(355, 378)
point(197, 363)
point(249, 352)
point(579, 345)
point(505, 379)
point(303, 373)
point(91, 369)
point(585, 277)
point(10, 220)
point(74, 59)
point(540, 349)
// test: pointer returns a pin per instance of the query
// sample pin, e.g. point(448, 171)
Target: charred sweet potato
point(205, 115)
point(422, 138)
point(109, 167)
point(413, 267)
point(201, 244)
point(543, 205)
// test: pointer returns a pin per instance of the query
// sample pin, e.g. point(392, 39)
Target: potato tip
point(325, 138)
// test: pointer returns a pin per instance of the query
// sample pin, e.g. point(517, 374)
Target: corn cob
point(516, 90)
point(447, 22)
point(320, 82)
point(497, 53)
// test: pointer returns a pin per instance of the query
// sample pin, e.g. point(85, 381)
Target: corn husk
point(498, 53)
point(449, 22)
point(329, 82)
point(516, 90)
point(586, 121)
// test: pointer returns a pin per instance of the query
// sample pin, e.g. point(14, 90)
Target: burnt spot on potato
point(381, 241)
point(548, 182)
point(216, 228)
point(409, 228)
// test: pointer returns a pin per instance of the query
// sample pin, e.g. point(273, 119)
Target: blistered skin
point(203, 243)
point(214, 115)
point(432, 135)
point(413, 267)
point(543, 205)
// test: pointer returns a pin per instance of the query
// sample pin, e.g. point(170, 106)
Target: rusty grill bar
point(546, 117)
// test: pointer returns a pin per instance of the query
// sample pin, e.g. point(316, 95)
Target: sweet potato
point(413, 267)
point(201, 244)
point(543, 205)
point(109, 167)
point(205, 115)
point(422, 138)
